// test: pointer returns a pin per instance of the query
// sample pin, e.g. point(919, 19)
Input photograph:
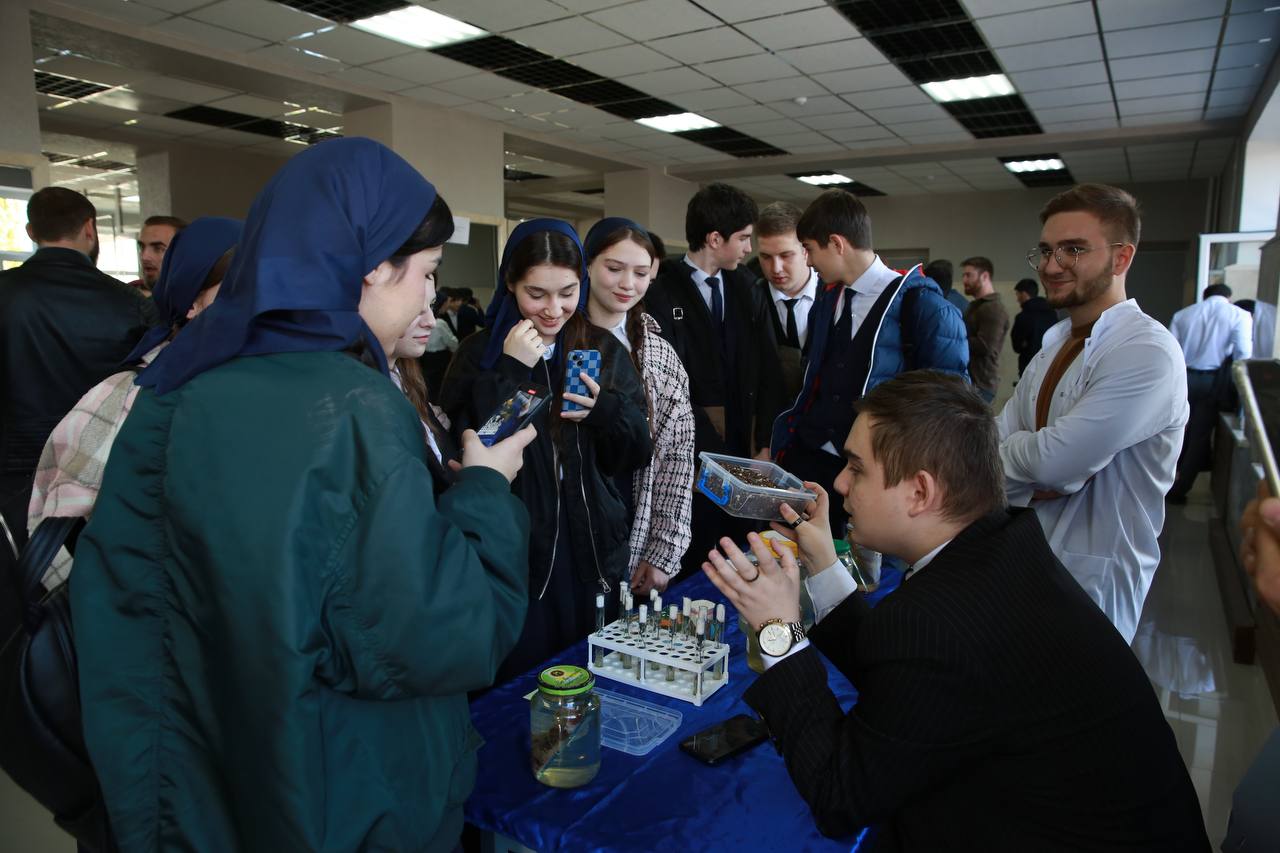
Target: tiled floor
point(1220, 711)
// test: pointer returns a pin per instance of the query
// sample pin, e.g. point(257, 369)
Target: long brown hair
point(415, 388)
point(635, 315)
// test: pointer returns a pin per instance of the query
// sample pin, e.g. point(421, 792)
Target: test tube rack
point(652, 656)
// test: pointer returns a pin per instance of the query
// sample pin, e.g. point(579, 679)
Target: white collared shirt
point(700, 279)
point(1112, 441)
point(866, 290)
point(620, 332)
point(803, 303)
point(1211, 331)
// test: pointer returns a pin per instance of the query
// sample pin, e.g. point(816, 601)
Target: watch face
point(775, 639)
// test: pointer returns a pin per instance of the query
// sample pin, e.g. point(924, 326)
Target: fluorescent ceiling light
point(826, 180)
point(678, 122)
point(969, 88)
point(1048, 165)
point(414, 25)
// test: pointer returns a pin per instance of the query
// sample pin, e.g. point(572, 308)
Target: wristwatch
point(777, 637)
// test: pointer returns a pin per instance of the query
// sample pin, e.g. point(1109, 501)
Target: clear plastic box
point(751, 500)
point(634, 726)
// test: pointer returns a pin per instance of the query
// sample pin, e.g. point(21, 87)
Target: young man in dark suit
point(998, 708)
point(704, 304)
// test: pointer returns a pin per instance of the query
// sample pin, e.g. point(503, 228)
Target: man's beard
point(93, 253)
point(1085, 291)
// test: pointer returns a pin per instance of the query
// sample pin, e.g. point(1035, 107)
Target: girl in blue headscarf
point(581, 522)
point(276, 622)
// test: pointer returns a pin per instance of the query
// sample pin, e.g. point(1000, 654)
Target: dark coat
point(276, 622)
point(614, 439)
point(1035, 318)
point(998, 710)
point(754, 387)
point(64, 327)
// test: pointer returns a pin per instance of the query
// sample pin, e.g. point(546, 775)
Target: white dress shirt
point(1111, 445)
point(803, 303)
point(700, 279)
point(866, 290)
point(829, 588)
point(1211, 331)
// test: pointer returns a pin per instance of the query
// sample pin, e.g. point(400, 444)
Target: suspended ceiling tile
point(432, 95)
point(709, 99)
point(863, 79)
point(372, 79)
point(1122, 14)
point(870, 133)
point(987, 8)
point(901, 96)
point(1230, 97)
point(1066, 76)
point(840, 121)
point(500, 17)
point(422, 67)
point(567, 37)
point(1237, 78)
point(253, 105)
point(87, 69)
point(1065, 21)
point(800, 29)
point(734, 11)
point(482, 87)
point(815, 106)
point(1049, 54)
point(1188, 35)
point(123, 11)
point(1052, 98)
point(209, 35)
point(789, 88)
point(775, 127)
point(1154, 87)
point(176, 7)
point(535, 103)
point(1251, 28)
point(1246, 55)
point(625, 59)
point(1079, 125)
point(652, 19)
point(180, 90)
point(260, 19)
point(668, 82)
point(1165, 104)
point(1162, 64)
point(124, 99)
point(298, 58)
point(913, 113)
point(352, 46)
point(707, 46)
point(747, 69)
point(1225, 112)
point(836, 56)
point(731, 116)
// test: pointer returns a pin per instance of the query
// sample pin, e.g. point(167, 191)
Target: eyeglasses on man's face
point(1066, 256)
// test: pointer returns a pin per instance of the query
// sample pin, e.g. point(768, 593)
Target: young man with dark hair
point(153, 241)
point(942, 273)
point(1091, 436)
point(1035, 317)
point(64, 327)
point(1212, 333)
point(987, 323)
point(997, 708)
point(703, 303)
point(786, 290)
point(868, 324)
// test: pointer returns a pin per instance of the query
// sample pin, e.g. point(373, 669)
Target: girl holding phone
point(580, 521)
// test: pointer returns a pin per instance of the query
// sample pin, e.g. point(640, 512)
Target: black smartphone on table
point(514, 414)
point(725, 740)
point(1259, 384)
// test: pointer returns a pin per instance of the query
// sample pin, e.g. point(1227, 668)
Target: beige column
point(20, 127)
point(652, 198)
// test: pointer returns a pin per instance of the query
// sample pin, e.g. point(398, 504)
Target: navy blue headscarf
point(503, 311)
point(602, 229)
point(329, 216)
point(193, 252)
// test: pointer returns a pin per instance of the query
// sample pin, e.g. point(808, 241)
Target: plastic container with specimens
point(564, 727)
point(750, 488)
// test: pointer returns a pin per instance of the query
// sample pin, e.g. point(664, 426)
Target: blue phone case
point(580, 361)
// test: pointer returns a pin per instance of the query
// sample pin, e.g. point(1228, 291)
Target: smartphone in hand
point(580, 361)
point(514, 414)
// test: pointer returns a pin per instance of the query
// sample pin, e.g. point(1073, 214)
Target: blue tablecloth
point(642, 803)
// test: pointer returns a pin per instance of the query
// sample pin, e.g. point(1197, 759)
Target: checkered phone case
point(580, 361)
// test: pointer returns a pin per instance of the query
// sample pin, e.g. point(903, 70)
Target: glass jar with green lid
point(564, 727)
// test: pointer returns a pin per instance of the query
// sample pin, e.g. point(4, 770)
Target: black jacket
point(1035, 318)
point(64, 327)
point(998, 710)
point(754, 388)
point(613, 440)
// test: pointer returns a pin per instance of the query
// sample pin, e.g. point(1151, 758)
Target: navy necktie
point(793, 331)
point(844, 326)
point(717, 304)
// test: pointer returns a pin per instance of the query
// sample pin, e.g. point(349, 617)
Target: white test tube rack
point(695, 677)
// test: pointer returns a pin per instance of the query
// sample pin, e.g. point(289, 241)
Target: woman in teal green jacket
point(276, 623)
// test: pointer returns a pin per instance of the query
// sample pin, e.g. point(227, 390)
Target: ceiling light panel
point(968, 88)
point(678, 123)
point(419, 27)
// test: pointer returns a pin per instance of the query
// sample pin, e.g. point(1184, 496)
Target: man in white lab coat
point(1091, 436)
point(1212, 333)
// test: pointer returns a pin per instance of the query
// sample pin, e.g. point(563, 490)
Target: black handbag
point(41, 740)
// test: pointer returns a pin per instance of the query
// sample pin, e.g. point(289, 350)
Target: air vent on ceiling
point(934, 40)
point(62, 86)
point(491, 53)
point(345, 11)
point(231, 120)
point(731, 142)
